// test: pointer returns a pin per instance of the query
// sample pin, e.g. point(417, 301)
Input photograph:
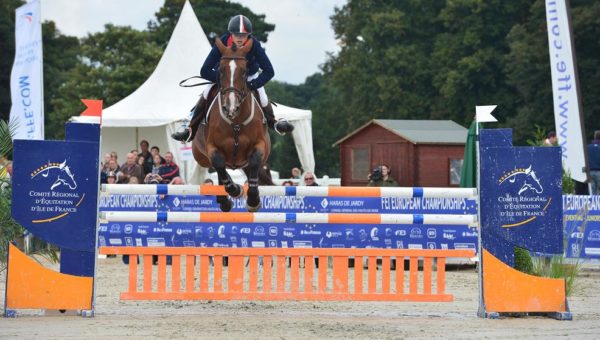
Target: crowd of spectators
point(301, 179)
point(146, 166)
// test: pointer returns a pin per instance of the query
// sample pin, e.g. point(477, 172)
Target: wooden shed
point(426, 153)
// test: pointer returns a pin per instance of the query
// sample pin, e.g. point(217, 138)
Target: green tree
point(304, 96)
point(112, 64)
point(60, 57)
point(214, 16)
point(528, 67)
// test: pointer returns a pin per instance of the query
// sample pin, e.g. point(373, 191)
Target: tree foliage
point(427, 59)
point(213, 15)
point(111, 65)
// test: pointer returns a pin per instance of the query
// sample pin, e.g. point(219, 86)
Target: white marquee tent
point(158, 107)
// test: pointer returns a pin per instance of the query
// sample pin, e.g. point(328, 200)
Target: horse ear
point(220, 45)
point(248, 46)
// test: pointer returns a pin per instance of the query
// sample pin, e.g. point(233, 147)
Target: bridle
point(239, 94)
point(229, 116)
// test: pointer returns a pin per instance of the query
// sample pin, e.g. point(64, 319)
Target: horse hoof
point(253, 209)
point(226, 205)
point(235, 190)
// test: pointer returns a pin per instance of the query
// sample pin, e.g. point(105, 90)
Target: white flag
point(26, 78)
point(483, 114)
point(567, 107)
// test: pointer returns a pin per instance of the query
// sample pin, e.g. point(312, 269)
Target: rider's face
point(239, 39)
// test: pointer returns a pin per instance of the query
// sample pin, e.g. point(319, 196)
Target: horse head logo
point(526, 179)
point(60, 173)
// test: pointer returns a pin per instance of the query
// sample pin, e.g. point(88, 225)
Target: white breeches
point(262, 94)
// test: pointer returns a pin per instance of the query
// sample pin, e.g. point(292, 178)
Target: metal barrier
point(263, 274)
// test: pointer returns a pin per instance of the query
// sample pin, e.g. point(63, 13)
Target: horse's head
point(233, 74)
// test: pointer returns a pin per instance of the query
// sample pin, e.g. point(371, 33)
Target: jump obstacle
point(267, 283)
point(273, 280)
point(295, 282)
point(241, 217)
point(304, 191)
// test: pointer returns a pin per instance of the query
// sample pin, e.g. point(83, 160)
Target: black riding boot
point(198, 116)
point(280, 126)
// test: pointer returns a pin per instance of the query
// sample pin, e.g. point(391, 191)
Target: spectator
point(131, 169)
point(135, 153)
point(177, 181)
point(133, 180)
point(141, 161)
point(147, 156)
point(113, 155)
point(296, 173)
point(168, 170)
point(154, 177)
point(156, 151)
point(111, 178)
point(208, 181)
point(594, 158)
point(105, 162)
point(551, 139)
point(310, 180)
point(112, 167)
point(380, 177)
point(288, 184)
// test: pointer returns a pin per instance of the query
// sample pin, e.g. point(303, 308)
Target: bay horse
point(236, 135)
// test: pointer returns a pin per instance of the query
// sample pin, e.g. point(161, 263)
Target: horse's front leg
point(254, 164)
point(234, 190)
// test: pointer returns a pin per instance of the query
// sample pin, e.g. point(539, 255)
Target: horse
point(235, 136)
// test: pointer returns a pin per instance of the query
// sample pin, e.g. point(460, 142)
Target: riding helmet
point(240, 24)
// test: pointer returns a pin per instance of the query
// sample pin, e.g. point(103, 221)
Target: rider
point(240, 32)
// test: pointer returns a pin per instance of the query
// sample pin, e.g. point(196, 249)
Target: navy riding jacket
point(257, 59)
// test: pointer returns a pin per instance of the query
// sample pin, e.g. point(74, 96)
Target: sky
point(298, 45)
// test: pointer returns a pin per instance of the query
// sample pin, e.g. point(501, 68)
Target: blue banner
point(581, 220)
point(55, 187)
point(582, 226)
point(521, 192)
point(290, 235)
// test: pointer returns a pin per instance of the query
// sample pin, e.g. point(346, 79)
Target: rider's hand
point(251, 85)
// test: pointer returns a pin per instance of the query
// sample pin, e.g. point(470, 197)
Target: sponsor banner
point(26, 84)
point(583, 238)
point(289, 235)
point(521, 199)
point(55, 187)
point(282, 235)
point(294, 204)
point(565, 92)
point(582, 226)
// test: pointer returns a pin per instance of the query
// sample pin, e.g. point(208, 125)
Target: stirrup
point(190, 135)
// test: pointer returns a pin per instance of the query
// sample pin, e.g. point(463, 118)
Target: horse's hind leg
point(254, 164)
